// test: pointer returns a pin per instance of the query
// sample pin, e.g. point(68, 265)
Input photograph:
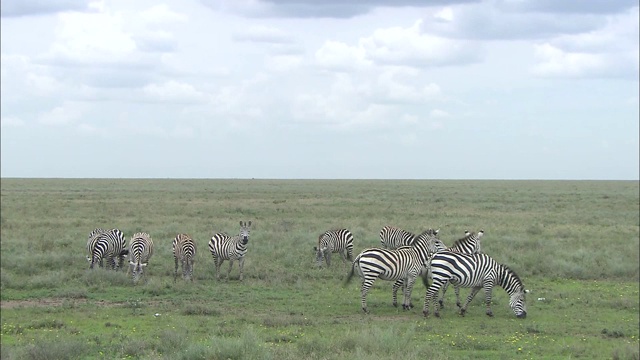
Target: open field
point(575, 244)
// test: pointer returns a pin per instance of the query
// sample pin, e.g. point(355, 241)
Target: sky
point(310, 89)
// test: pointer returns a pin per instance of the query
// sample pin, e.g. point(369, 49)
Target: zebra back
point(184, 251)
point(470, 244)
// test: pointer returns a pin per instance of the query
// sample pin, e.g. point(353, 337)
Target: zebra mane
point(509, 272)
point(460, 241)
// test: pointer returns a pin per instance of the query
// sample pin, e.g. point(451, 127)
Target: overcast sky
point(383, 89)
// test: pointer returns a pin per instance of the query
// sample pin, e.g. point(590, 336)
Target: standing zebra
point(474, 271)
point(110, 244)
point(392, 237)
point(140, 251)
point(184, 251)
point(224, 247)
point(469, 244)
point(91, 243)
point(334, 241)
point(406, 262)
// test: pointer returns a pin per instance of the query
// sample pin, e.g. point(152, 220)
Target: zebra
point(91, 243)
point(392, 237)
point(110, 244)
point(406, 262)
point(334, 241)
point(224, 247)
point(140, 252)
point(184, 251)
point(475, 271)
point(469, 244)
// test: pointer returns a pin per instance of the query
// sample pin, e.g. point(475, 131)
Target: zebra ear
point(249, 223)
point(241, 223)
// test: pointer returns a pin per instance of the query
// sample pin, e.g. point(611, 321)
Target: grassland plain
point(575, 244)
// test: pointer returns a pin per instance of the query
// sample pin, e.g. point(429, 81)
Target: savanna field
point(575, 245)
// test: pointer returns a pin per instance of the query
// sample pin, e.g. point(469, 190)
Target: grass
point(575, 244)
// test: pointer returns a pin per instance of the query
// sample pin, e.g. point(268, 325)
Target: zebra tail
point(348, 279)
point(425, 279)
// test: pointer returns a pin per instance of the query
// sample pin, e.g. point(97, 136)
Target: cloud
point(610, 51)
point(162, 15)
point(263, 34)
point(316, 9)
point(173, 91)
point(15, 8)
point(11, 121)
point(65, 114)
point(338, 56)
point(570, 7)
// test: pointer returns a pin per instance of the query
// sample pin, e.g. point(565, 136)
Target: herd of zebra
point(111, 245)
point(404, 256)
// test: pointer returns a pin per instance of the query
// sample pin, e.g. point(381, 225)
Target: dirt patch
point(11, 304)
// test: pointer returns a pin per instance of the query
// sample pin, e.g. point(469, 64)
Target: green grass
point(574, 243)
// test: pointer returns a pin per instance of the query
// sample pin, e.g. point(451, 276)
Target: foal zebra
point(392, 237)
point(469, 244)
point(406, 262)
point(140, 251)
point(334, 241)
point(110, 244)
point(224, 247)
point(184, 251)
point(475, 271)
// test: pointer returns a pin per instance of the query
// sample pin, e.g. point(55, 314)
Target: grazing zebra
point(140, 251)
point(475, 271)
point(224, 247)
point(334, 241)
point(184, 251)
point(392, 238)
point(406, 262)
point(91, 243)
point(469, 244)
point(110, 244)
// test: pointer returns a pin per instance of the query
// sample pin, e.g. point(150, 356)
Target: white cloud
point(437, 113)
point(162, 15)
point(65, 114)
point(339, 56)
point(281, 63)
point(263, 34)
point(10, 121)
point(173, 91)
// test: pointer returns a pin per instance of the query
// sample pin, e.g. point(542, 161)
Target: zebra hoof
point(437, 314)
point(490, 313)
point(395, 304)
point(406, 307)
point(425, 313)
point(462, 312)
point(411, 305)
point(458, 305)
point(441, 304)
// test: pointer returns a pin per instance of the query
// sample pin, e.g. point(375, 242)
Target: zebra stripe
point(392, 237)
point(474, 271)
point(91, 243)
point(406, 262)
point(184, 251)
point(140, 251)
point(109, 245)
point(334, 241)
point(469, 244)
point(224, 247)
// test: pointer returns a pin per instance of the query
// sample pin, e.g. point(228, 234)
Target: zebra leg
point(408, 289)
point(396, 285)
point(175, 273)
point(327, 257)
point(457, 290)
point(363, 295)
point(472, 294)
point(230, 267)
point(218, 262)
point(241, 265)
point(487, 298)
point(429, 296)
point(441, 299)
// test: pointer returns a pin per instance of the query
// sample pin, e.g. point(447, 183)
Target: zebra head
point(245, 229)
point(137, 269)
point(187, 268)
point(512, 284)
point(518, 304)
